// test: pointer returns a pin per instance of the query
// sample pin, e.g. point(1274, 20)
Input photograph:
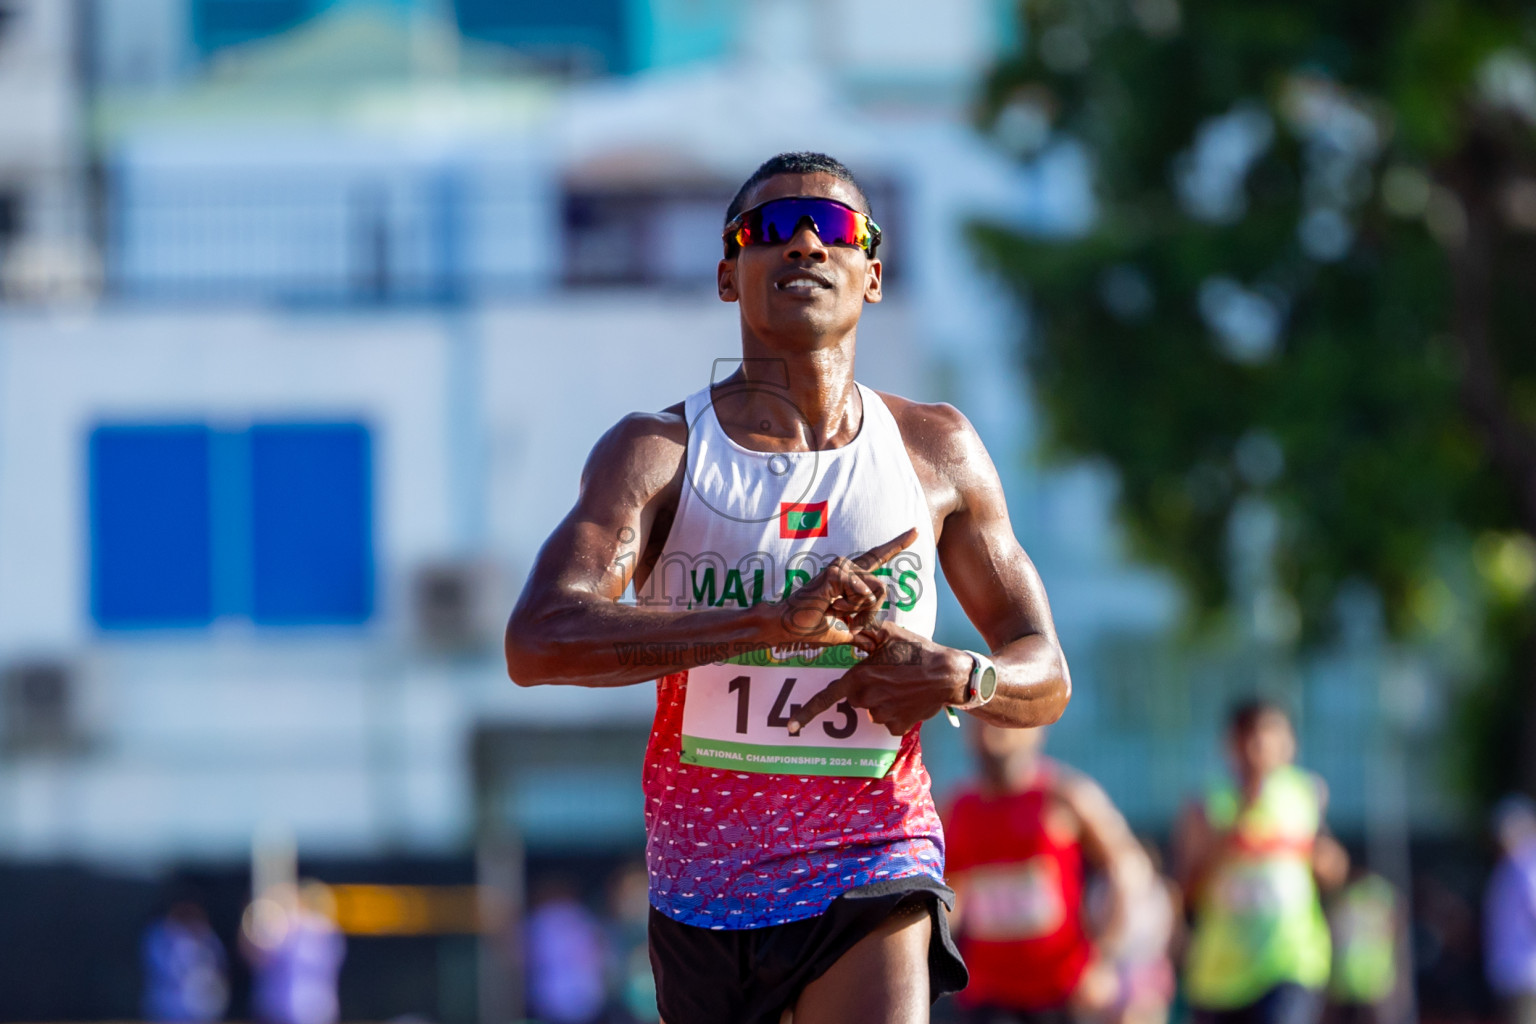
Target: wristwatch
point(982, 684)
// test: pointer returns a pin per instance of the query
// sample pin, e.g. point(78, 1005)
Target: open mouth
point(801, 284)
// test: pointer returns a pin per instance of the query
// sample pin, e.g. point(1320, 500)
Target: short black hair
point(1245, 715)
point(797, 163)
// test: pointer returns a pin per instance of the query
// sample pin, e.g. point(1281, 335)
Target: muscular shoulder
point(931, 429)
point(1080, 794)
point(1073, 787)
point(945, 449)
point(644, 451)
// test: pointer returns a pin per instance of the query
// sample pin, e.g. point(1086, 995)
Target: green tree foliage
point(1310, 281)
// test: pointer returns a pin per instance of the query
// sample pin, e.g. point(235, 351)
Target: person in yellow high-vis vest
point(1251, 857)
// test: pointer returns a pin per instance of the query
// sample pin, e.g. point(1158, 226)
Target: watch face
point(986, 686)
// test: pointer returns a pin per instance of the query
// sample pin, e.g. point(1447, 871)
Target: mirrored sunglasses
point(776, 221)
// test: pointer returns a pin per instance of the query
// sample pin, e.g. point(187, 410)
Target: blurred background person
point(631, 985)
point(1144, 955)
point(1509, 910)
point(1252, 857)
point(295, 951)
point(186, 975)
point(566, 955)
point(1017, 844)
point(1364, 922)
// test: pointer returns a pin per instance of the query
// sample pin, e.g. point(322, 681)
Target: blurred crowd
point(1063, 915)
point(288, 937)
point(584, 967)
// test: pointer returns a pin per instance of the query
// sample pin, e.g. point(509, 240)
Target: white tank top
point(747, 826)
point(750, 526)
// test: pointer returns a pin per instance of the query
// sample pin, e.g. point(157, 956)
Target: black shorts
point(752, 975)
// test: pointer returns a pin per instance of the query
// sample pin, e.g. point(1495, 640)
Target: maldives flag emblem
point(797, 519)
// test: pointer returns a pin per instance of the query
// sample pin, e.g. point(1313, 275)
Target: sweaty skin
point(799, 303)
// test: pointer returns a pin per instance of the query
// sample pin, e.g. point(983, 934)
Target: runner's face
point(801, 289)
point(1269, 744)
point(998, 743)
point(1006, 757)
point(1516, 832)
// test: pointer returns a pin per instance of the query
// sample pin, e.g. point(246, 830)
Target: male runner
point(1018, 845)
point(1252, 857)
point(781, 530)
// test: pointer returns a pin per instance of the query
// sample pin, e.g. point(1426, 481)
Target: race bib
point(1253, 898)
point(736, 715)
point(1253, 891)
point(1012, 902)
point(1249, 896)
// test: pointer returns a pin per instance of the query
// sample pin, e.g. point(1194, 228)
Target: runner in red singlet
point(1018, 844)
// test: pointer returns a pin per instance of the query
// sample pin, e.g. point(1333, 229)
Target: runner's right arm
point(1108, 844)
point(1196, 848)
point(568, 626)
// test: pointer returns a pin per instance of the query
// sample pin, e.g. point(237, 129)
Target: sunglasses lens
point(777, 221)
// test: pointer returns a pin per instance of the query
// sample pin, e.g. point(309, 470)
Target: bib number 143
point(737, 716)
point(779, 715)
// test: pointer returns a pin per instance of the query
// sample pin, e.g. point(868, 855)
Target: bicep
point(993, 578)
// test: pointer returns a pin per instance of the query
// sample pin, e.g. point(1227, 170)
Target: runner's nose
point(805, 243)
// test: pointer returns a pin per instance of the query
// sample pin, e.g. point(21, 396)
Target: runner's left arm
point(908, 678)
point(998, 587)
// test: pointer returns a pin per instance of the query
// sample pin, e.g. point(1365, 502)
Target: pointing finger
point(834, 692)
point(882, 553)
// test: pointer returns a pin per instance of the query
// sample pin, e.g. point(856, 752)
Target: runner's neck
point(823, 407)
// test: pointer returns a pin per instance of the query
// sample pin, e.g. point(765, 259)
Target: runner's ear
point(725, 281)
point(872, 285)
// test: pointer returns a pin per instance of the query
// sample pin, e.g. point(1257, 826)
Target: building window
point(10, 216)
point(150, 527)
point(657, 239)
point(310, 496)
point(8, 17)
point(272, 524)
point(361, 234)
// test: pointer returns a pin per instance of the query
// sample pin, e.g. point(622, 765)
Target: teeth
point(799, 284)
